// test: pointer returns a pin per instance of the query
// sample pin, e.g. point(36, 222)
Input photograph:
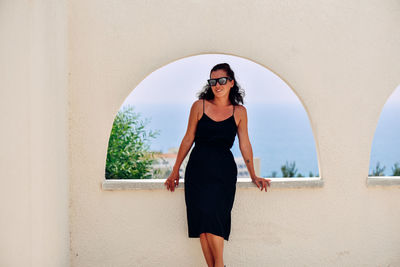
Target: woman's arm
point(188, 139)
point(186, 144)
point(247, 151)
point(244, 141)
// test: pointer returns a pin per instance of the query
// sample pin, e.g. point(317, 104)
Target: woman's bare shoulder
point(240, 114)
point(197, 104)
point(197, 107)
point(241, 110)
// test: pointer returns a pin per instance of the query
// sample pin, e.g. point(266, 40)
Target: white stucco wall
point(342, 73)
point(340, 57)
point(34, 134)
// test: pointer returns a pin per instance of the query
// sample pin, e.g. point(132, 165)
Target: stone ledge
point(383, 181)
point(150, 184)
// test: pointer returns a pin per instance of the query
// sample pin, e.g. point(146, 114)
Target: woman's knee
point(214, 237)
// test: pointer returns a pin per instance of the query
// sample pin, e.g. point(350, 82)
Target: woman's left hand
point(261, 182)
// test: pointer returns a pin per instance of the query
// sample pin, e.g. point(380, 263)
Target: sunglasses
point(221, 81)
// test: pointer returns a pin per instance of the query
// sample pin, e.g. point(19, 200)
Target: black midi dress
point(210, 177)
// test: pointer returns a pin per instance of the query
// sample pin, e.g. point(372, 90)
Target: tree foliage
point(128, 155)
point(289, 169)
point(396, 169)
point(378, 171)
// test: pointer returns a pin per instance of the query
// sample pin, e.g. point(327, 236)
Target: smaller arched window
point(385, 152)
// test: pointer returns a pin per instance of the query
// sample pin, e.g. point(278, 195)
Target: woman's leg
point(206, 250)
point(216, 243)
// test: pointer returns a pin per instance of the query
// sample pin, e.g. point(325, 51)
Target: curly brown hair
point(236, 93)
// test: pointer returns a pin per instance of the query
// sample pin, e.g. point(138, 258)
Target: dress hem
point(211, 232)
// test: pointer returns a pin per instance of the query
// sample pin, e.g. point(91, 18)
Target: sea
point(279, 134)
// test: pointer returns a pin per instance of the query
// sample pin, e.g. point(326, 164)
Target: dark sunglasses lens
point(212, 82)
point(222, 81)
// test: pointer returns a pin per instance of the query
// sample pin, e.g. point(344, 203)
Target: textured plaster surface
point(339, 57)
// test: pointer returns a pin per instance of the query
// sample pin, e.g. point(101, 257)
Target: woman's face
point(221, 90)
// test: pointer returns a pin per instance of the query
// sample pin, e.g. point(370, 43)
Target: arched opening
point(385, 152)
point(279, 128)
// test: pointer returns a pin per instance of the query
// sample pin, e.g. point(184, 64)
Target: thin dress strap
point(233, 109)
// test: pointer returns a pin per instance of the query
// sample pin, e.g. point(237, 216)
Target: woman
point(211, 172)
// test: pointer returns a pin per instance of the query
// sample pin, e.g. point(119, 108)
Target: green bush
point(289, 169)
point(128, 155)
point(396, 169)
point(378, 171)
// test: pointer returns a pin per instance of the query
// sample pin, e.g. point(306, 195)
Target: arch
point(383, 153)
point(254, 62)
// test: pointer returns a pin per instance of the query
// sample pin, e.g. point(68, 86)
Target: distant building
point(164, 163)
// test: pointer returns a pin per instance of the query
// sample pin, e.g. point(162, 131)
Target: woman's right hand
point(172, 181)
point(261, 182)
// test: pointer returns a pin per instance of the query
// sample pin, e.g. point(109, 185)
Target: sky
point(180, 81)
point(394, 98)
point(175, 87)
